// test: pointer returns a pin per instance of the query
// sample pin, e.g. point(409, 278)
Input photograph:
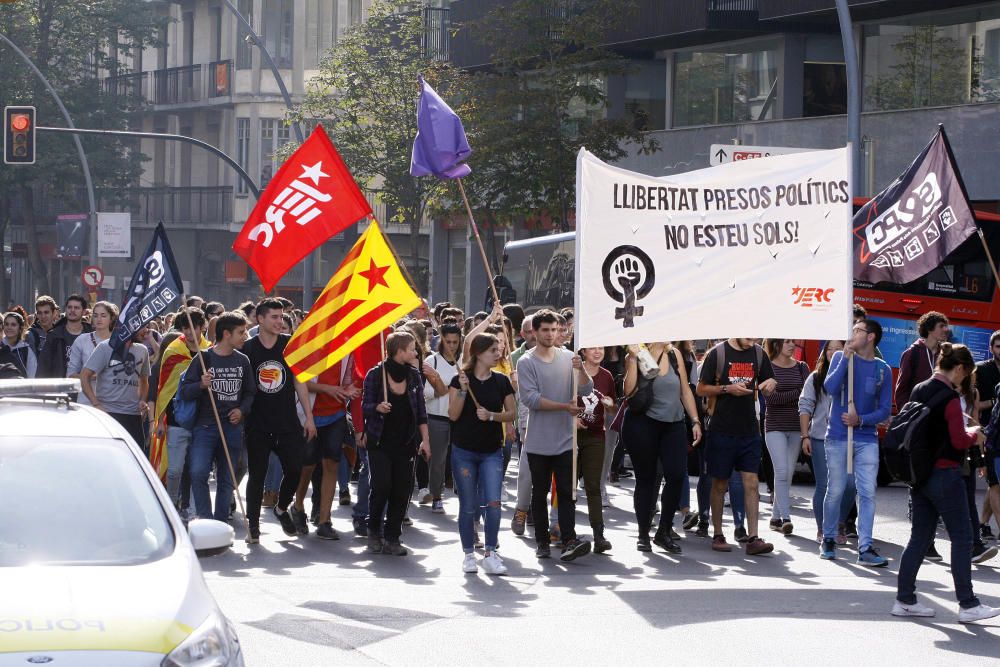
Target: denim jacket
point(372, 395)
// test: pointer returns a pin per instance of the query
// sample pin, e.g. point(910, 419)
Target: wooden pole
point(385, 383)
point(486, 265)
point(218, 425)
point(850, 403)
point(576, 480)
point(989, 256)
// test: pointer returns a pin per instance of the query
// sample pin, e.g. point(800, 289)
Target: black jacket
point(54, 357)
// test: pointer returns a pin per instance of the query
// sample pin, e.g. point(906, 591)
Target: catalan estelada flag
point(366, 294)
point(176, 359)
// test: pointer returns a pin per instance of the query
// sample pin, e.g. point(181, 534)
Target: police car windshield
point(90, 504)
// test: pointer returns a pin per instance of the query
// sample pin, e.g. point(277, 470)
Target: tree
point(74, 43)
point(366, 94)
point(543, 98)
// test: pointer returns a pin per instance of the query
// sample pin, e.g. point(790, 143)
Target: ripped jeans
point(478, 479)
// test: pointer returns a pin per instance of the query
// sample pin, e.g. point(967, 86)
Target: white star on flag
point(314, 172)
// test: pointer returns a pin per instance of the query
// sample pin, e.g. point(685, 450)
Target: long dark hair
point(480, 344)
point(822, 367)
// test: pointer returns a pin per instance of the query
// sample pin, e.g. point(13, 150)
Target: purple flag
point(908, 229)
point(440, 145)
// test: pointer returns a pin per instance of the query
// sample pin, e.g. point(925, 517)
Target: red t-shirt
point(593, 407)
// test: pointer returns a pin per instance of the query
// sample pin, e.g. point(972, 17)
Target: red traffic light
point(20, 122)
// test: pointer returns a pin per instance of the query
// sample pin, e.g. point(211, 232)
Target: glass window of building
point(937, 59)
point(732, 83)
point(243, 151)
point(244, 49)
point(646, 94)
point(321, 31)
point(273, 135)
point(276, 27)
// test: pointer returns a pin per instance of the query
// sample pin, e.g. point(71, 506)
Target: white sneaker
point(493, 565)
point(915, 609)
point(425, 496)
point(980, 613)
point(469, 565)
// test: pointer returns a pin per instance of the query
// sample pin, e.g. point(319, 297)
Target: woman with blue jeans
point(480, 401)
point(814, 415)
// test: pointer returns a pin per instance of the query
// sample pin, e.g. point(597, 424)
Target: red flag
point(312, 197)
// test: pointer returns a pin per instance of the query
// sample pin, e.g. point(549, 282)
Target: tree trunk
point(39, 271)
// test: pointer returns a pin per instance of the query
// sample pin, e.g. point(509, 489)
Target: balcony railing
point(175, 85)
point(437, 35)
point(194, 206)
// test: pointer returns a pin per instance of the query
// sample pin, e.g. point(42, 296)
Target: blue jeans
point(819, 493)
point(343, 474)
point(478, 479)
point(360, 511)
point(178, 442)
point(206, 448)
point(943, 495)
point(865, 476)
point(273, 478)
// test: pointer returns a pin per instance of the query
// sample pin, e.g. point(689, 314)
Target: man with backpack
point(864, 409)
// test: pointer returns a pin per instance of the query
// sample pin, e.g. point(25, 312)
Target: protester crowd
point(455, 398)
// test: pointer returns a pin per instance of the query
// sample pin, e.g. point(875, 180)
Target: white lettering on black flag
point(757, 248)
point(156, 285)
point(909, 228)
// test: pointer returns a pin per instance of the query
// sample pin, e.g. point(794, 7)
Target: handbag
point(642, 395)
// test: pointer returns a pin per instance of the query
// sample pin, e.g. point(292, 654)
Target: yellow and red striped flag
point(366, 294)
point(176, 359)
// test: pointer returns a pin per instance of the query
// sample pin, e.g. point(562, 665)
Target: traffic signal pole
point(91, 201)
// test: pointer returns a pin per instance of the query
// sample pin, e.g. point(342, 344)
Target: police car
point(96, 567)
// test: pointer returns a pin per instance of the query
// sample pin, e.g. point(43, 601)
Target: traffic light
point(19, 135)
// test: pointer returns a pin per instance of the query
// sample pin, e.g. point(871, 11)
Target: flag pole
point(218, 424)
point(850, 402)
point(989, 256)
point(486, 265)
point(576, 478)
point(385, 383)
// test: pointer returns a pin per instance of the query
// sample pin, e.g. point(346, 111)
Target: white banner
point(114, 235)
point(757, 248)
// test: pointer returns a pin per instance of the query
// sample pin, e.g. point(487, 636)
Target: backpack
point(185, 412)
point(909, 455)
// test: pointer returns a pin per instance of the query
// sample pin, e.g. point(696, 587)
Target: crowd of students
point(454, 397)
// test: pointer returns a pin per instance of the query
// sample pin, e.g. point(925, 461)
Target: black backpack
point(909, 455)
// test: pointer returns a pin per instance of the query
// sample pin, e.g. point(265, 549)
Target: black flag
point(909, 228)
point(155, 286)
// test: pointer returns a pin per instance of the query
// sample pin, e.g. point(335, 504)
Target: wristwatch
point(724, 390)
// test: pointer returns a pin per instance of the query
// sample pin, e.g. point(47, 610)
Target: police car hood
point(140, 612)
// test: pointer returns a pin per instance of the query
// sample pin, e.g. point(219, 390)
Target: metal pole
point(91, 201)
point(853, 92)
point(307, 263)
point(168, 137)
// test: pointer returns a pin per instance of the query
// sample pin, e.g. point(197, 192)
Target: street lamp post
point(853, 92)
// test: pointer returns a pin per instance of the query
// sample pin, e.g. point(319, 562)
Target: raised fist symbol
point(627, 272)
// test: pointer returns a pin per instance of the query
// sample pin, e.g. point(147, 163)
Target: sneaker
point(492, 564)
point(757, 547)
point(986, 533)
point(915, 609)
point(787, 527)
point(437, 506)
point(841, 534)
point(690, 521)
point(253, 537)
point(425, 496)
point(345, 497)
point(285, 519)
point(642, 544)
point(666, 543)
point(407, 521)
point(395, 549)
point(469, 565)
point(828, 550)
point(775, 524)
point(517, 523)
point(574, 549)
point(375, 544)
point(932, 554)
point(870, 558)
point(673, 534)
point(980, 613)
point(719, 543)
point(981, 553)
point(601, 544)
point(702, 530)
point(851, 531)
point(741, 534)
point(360, 527)
point(326, 532)
point(543, 551)
point(299, 518)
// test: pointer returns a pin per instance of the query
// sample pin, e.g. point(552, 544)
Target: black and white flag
point(908, 229)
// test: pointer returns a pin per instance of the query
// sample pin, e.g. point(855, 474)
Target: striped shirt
point(783, 404)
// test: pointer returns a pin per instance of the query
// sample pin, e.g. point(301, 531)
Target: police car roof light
point(38, 388)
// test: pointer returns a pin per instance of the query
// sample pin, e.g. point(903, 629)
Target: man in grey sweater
point(545, 383)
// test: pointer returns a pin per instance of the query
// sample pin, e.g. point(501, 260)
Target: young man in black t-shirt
point(732, 374)
point(274, 425)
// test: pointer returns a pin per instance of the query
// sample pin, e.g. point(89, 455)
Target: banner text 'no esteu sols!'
point(660, 198)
